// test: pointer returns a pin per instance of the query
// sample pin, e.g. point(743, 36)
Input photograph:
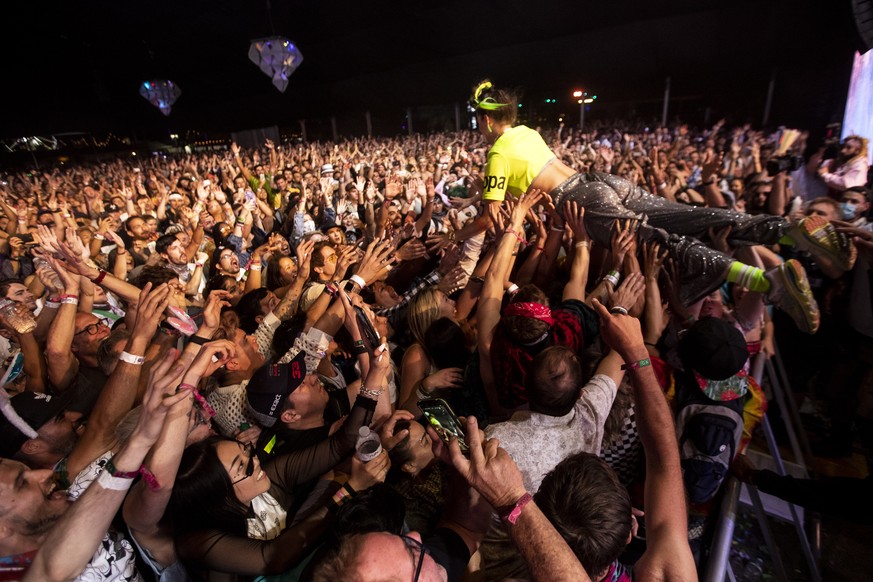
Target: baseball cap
point(33, 409)
point(714, 348)
point(175, 196)
point(270, 385)
point(326, 169)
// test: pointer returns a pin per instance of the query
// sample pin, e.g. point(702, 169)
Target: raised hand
point(386, 431)
point(212, 311)
point(150, 309)
point(623, 238)
point(628, 292)
point(575, 217)
point(489, 470)
point(160, 396)
point(304, 258)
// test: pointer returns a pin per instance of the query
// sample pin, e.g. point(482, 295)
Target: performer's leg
point(703, 269)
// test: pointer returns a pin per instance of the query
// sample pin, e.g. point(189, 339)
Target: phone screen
point(444, 421)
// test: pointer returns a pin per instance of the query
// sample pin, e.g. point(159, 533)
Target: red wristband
point(511, 516)
point(99, 278)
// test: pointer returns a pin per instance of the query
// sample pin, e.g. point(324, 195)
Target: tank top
point(516, 158)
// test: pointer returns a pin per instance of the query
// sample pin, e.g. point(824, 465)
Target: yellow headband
point(488, 103)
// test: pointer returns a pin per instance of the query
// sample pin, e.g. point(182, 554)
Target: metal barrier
point(718, 564)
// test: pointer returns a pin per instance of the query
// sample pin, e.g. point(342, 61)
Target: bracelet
point(255, 268)
point(650, 344)
point(200, 266)
point(66, 296)
point(131, 359)
point(637, 365)
point(556, 228)
point(357, 280)
point(49, 304)
point(477, 279)
point(113, 471)
point(662, 185)
point(196, 339)
point(120, 251)
point(241, 221)
point(540, 249)
point(69, 301)
point(512, 289)
point(618, 310)
point(342, 496)
point(331, 288)
point(371, 393)
point(359, 350)
point(516, 235)
point(452, 236)
point(583, 243)
point(511, 516)
point(99, 236)
point(100, 276)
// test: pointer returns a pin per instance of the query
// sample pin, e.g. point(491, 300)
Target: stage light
point(277, 57)
point(577, 94)
point(161, 93)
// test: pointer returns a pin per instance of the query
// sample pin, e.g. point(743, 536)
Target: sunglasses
point(250, 466)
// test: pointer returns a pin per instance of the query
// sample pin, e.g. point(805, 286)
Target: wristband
point(61, 297)
point(131, 359)
point(200, 266)
point(511, 516)
point(477, 279)
point(196, 339)
point(107, 481)
point(331, 288)
point(100, 276)
point(613, 277)
point(540, 249)
point(149, 478)
point(520, 238)
point(49, 304)
point(359, 350)
point(662, 185)
point(255, 268)
point(637, 365)
point(69, 300)
point(357, 280)
point(512, 289)
point(99, 236)
point(204, 404)
point(557, 228)
point(582, 243)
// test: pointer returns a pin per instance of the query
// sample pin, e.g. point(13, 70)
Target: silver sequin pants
point(678, 227)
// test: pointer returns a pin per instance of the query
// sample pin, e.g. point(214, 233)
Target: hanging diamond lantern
point(161, 93)
point(277, 57)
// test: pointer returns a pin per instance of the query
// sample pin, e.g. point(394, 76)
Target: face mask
point(848, 210)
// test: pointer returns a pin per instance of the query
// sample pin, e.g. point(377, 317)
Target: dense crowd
point(557, 382)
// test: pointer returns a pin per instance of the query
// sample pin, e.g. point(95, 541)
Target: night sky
point(78, 66)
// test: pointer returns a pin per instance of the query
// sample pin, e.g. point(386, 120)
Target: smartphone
point(366, 327)
point(27, 239)
point(444, 421)
point(249, 195)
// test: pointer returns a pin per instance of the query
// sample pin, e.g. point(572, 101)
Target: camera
point(784, 164)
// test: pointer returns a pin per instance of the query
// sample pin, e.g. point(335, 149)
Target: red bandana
point(532, 310)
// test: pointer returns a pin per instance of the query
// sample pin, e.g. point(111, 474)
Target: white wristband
point(512, 289)
point(358, 281)
point(107, 481)
point(131, 359)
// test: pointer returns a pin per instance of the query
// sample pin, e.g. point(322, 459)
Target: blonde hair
point(423, 311)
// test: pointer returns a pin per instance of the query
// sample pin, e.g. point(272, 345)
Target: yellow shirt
point(515, 159)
